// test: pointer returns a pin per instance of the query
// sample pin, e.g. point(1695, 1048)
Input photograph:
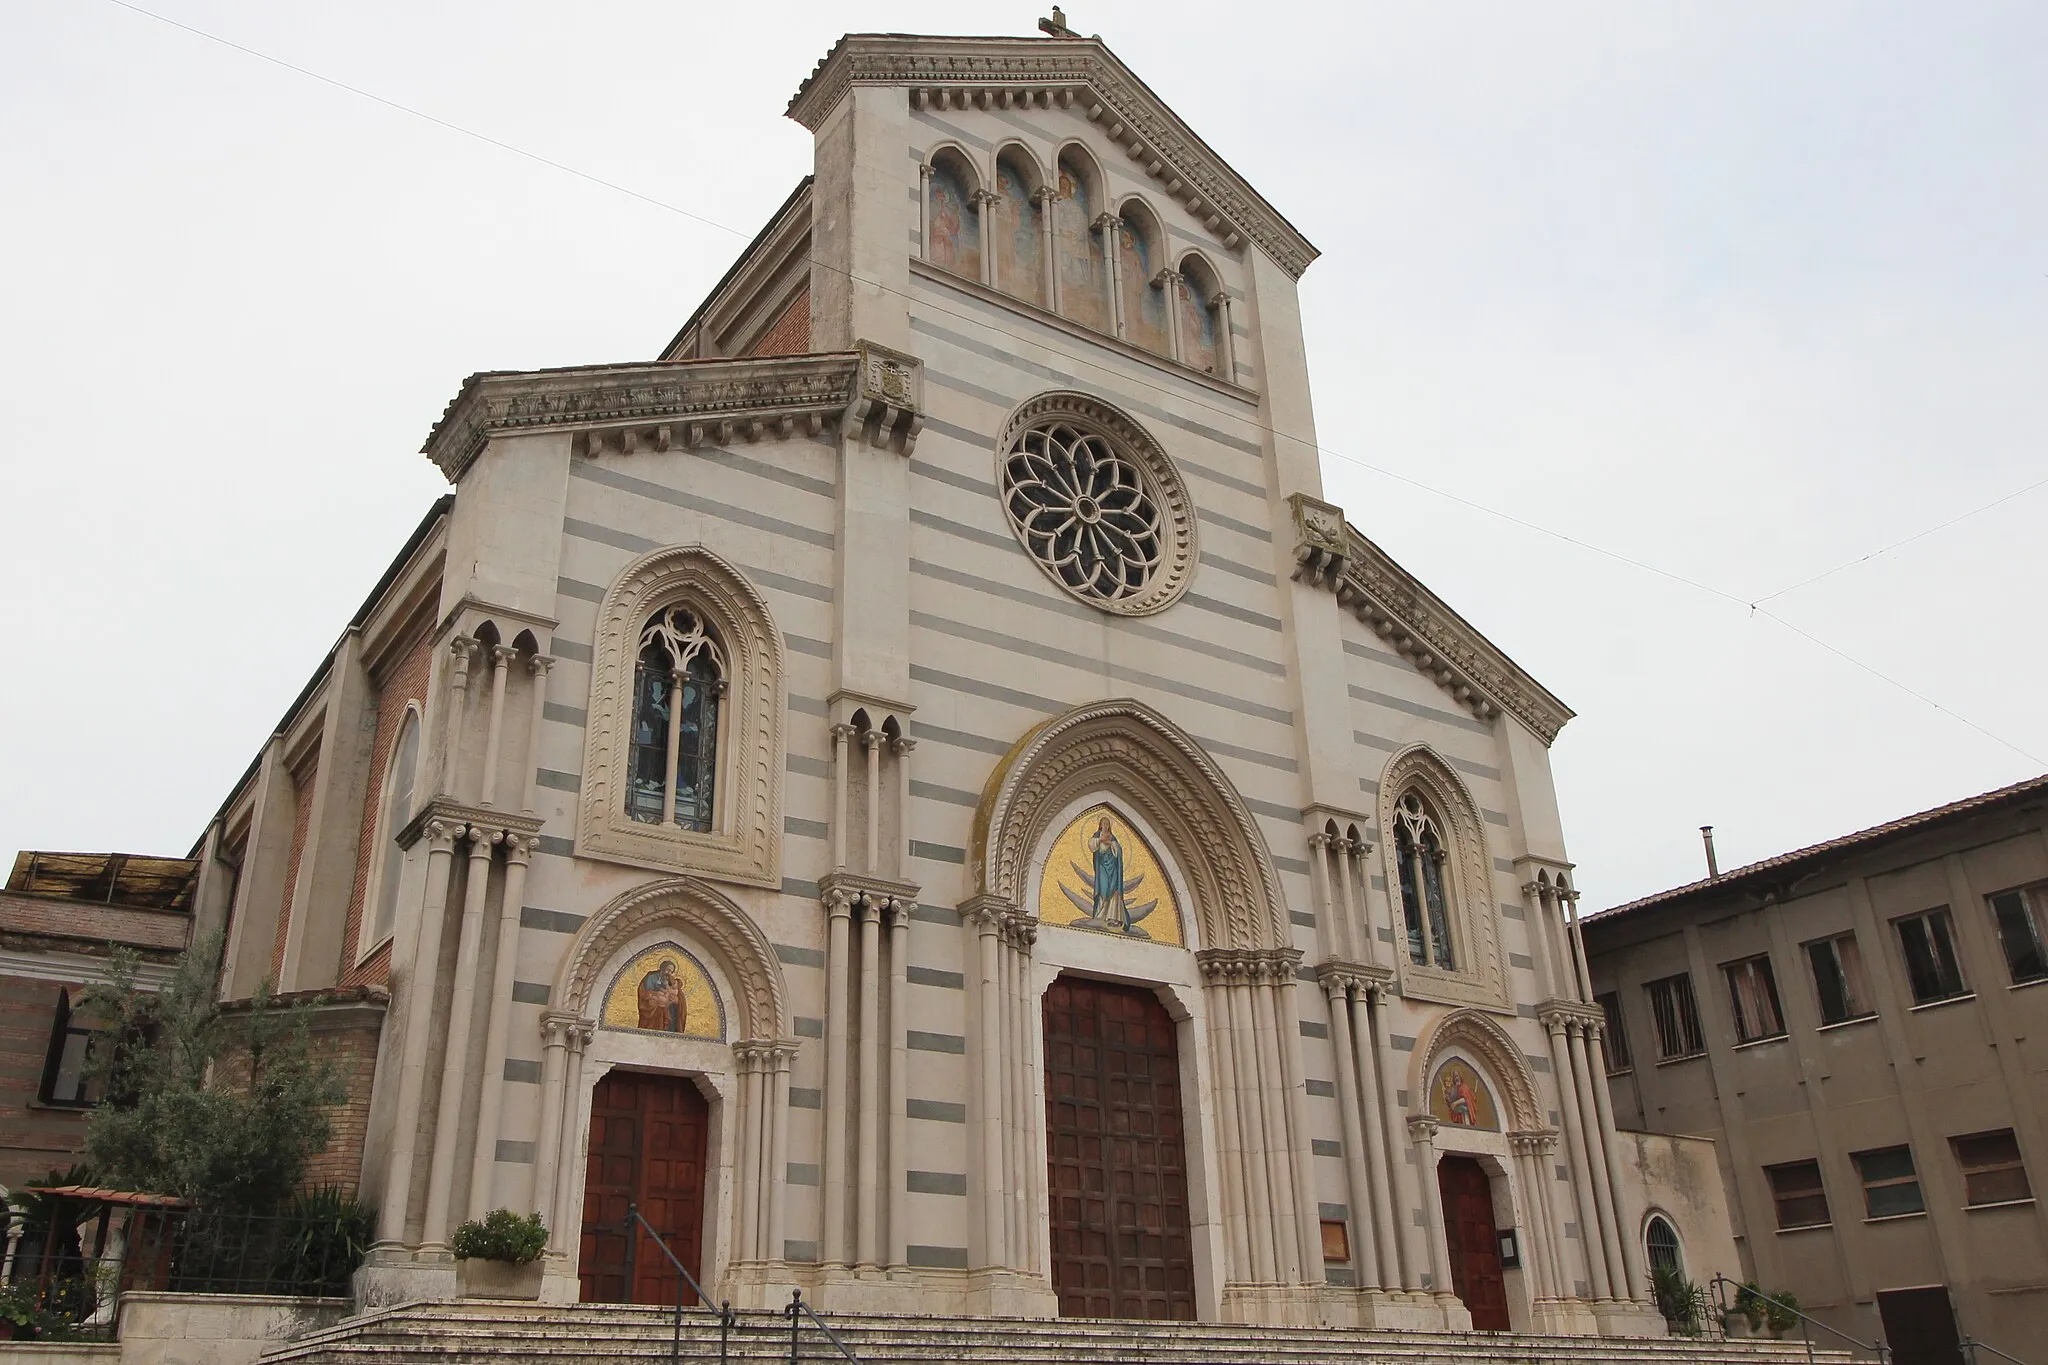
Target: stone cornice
point(873, 392)
point(858, 886)
point(1079, 73)
point(1441, 644)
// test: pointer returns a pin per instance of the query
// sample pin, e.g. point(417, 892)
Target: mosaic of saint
point(1101, 876)
point(665, 990)
point(1459, 1096)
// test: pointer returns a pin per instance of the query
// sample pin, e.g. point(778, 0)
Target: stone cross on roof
point(1056, 26)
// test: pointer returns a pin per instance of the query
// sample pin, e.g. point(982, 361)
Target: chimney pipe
point(1713, 865)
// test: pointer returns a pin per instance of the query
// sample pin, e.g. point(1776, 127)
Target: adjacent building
point(1862, 1028)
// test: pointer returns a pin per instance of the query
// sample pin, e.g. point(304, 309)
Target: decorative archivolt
point(1485, 1042)
point(745, 841)
point(1479, 978)
point(699, 914)
point(1132, 752)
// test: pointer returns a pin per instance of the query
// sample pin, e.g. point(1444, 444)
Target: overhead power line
point(1178, 395)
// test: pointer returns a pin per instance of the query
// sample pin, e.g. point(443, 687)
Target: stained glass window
point(676, 690)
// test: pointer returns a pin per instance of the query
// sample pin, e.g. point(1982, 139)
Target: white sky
point(1741, 290)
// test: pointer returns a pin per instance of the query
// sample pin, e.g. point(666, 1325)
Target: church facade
point(914, 791)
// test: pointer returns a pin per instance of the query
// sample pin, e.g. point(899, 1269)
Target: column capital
point(1558, 1016)
point(840, 732)
point(872, 739)
point(838, 902)
point(1045, 196)
point(1422, 1130)
point(519, 848)
point(503, 655)
point(1538, 1142)
point(460, 648)
point(903, 744)
point(539, 664)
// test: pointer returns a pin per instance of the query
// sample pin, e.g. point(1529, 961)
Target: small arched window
point(1144, 293)
point(398, 788)
point(677, 684)
point(1077, 247)
point(953, 216)
point(1201, 339)
point(1425, 893)
point(1019, 228)
point(1660, 1240)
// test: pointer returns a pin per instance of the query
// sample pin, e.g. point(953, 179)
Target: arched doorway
point(1473, 1242)
point(648, 1135)
point(1116, 1166)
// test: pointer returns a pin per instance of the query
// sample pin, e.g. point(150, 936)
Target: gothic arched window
point(398, 789)
point(953, 215)
point(677, 683)
point(1425, 889)
point(1660, 1240)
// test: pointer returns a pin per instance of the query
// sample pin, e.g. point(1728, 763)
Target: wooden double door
point(1116, 1166)
point(1474, 1243)
point(648, 1136)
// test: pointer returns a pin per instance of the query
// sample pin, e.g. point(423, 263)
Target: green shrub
point(1775, 1311)
point(327, 1234)
point(502, 1235)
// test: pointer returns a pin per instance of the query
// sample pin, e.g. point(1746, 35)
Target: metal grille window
point(1753, 993)
point(676, 689)
point(1890, 1184)
point(2019, 915)
point(1838, 979)
point(1618, 1059)
point(1801, 1199)
point(1992, 1170)
point(1928, 942)
point(64, 1080)
point(1660, 1239)
point(1676, 1015)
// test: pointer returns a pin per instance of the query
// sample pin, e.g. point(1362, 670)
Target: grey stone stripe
point(919, 1041)
point(800, 1173)
point(560, 781)
point(550, 921)
point(1274, 809)
point(1216, 561)
point(805, 1097)
point(961, 531)
point(1335, 1213)
point(573, 650)
point(937, 853)
point(807, 1027)
point(760, 469)
point(1522, 960)
point(1388, 700)
point(935, 1258)
point(1503, 865)
point(564, 715)
point(937, 1111)
point(1039, 652)
point(531, 992)
point(932, 976)
point(626, 483)
point(804, 829)
point(1385, 745)
point(1235, 613)
point(802, 1253)
point(1295, 865)
point(1509, 910)
point(1325, 1147)
point(955, 796)
point(1343, 1276)
point(1311, 1029)
point(526, 1073)
point(1004, 402)
point(799, 957)
point(1540, 1064)
point(804, 644)
point(935, 914)
point(946, 130)
point(1525, 1010)
point(1326, 1089)
point(939, 474)
point(1243, 528)
point(555, 845)
point(803, 890)
point(1062, 377)
point(1264, 760)
point(576, 589)
point(521, 1152)
point(958, 739)
point(806, 767)
point(808, 706)
point(1039, 597)
point(1400, 1042)
point(1361, 650)
point(934, 1182)
point(953, 682)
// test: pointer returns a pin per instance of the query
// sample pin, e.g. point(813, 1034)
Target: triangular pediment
point(1075, 73)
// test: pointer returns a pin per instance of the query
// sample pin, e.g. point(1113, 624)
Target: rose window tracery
point(1102, 519)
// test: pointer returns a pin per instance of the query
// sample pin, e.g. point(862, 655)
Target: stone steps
point(589, 1334)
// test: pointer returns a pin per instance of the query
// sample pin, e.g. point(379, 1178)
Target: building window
point(1753, 992)
point(1992, 1170)
point(1890, 1184)
point(1660, 1240)
point(1677, 1017)
point(1425, 901)
point(1838, 979)
point(1618, 1059)
point(398, 789)
point(676, 688)
point(1928, 942)
point(953, 216)
point(1801, 1200)
point(2019, 915)
point(64, 1081)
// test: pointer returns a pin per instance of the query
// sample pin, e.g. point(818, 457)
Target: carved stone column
point(1111, 228)
point(1557, 1022)
point(567, 1222)
point(988, 200)
point(494, 732)
point(498, 1024)
point(1364, 1198)
point(537, 665)
point(1625, 1216)
point(1398, 1178)
point(455, 1047)
point(554, 1043)
point(459, 650)
point(838, 929)
point(775, 1228)
point(419, 995)
point(1047, 199)
point(1261, 1197)
point(899, 1080)
point(867, 1204)
point(1597, 1159)
point(1422, 1133)
point(986, 920)
point(1231, 1152)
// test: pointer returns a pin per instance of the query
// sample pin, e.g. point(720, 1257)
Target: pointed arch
point(744, 838)
point(1127, 749)
point(1478, 976)
point(1487, 1043)
point(699, 913)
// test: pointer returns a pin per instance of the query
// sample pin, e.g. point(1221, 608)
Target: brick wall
point(355, 1047)
point(33, 1140)
point(791, 334)
point(407, 683)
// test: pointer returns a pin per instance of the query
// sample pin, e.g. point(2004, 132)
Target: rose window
point(1089, 509)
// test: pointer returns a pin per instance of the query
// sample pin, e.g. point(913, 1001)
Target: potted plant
point(498, 1256)
point(17, 1313)
point(1763, 1314)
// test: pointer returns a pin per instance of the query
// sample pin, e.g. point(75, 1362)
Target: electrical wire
point(1178, 395)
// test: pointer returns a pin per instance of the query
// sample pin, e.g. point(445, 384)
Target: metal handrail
point(798, 1310)
point(1971, 1346)
point(724, 1311)
point(1877, 1348)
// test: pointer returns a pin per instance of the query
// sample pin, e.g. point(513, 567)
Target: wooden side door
point(1920, 1326)
point(648, 1136)
point(1473, 1242)
point(1116, 1163)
